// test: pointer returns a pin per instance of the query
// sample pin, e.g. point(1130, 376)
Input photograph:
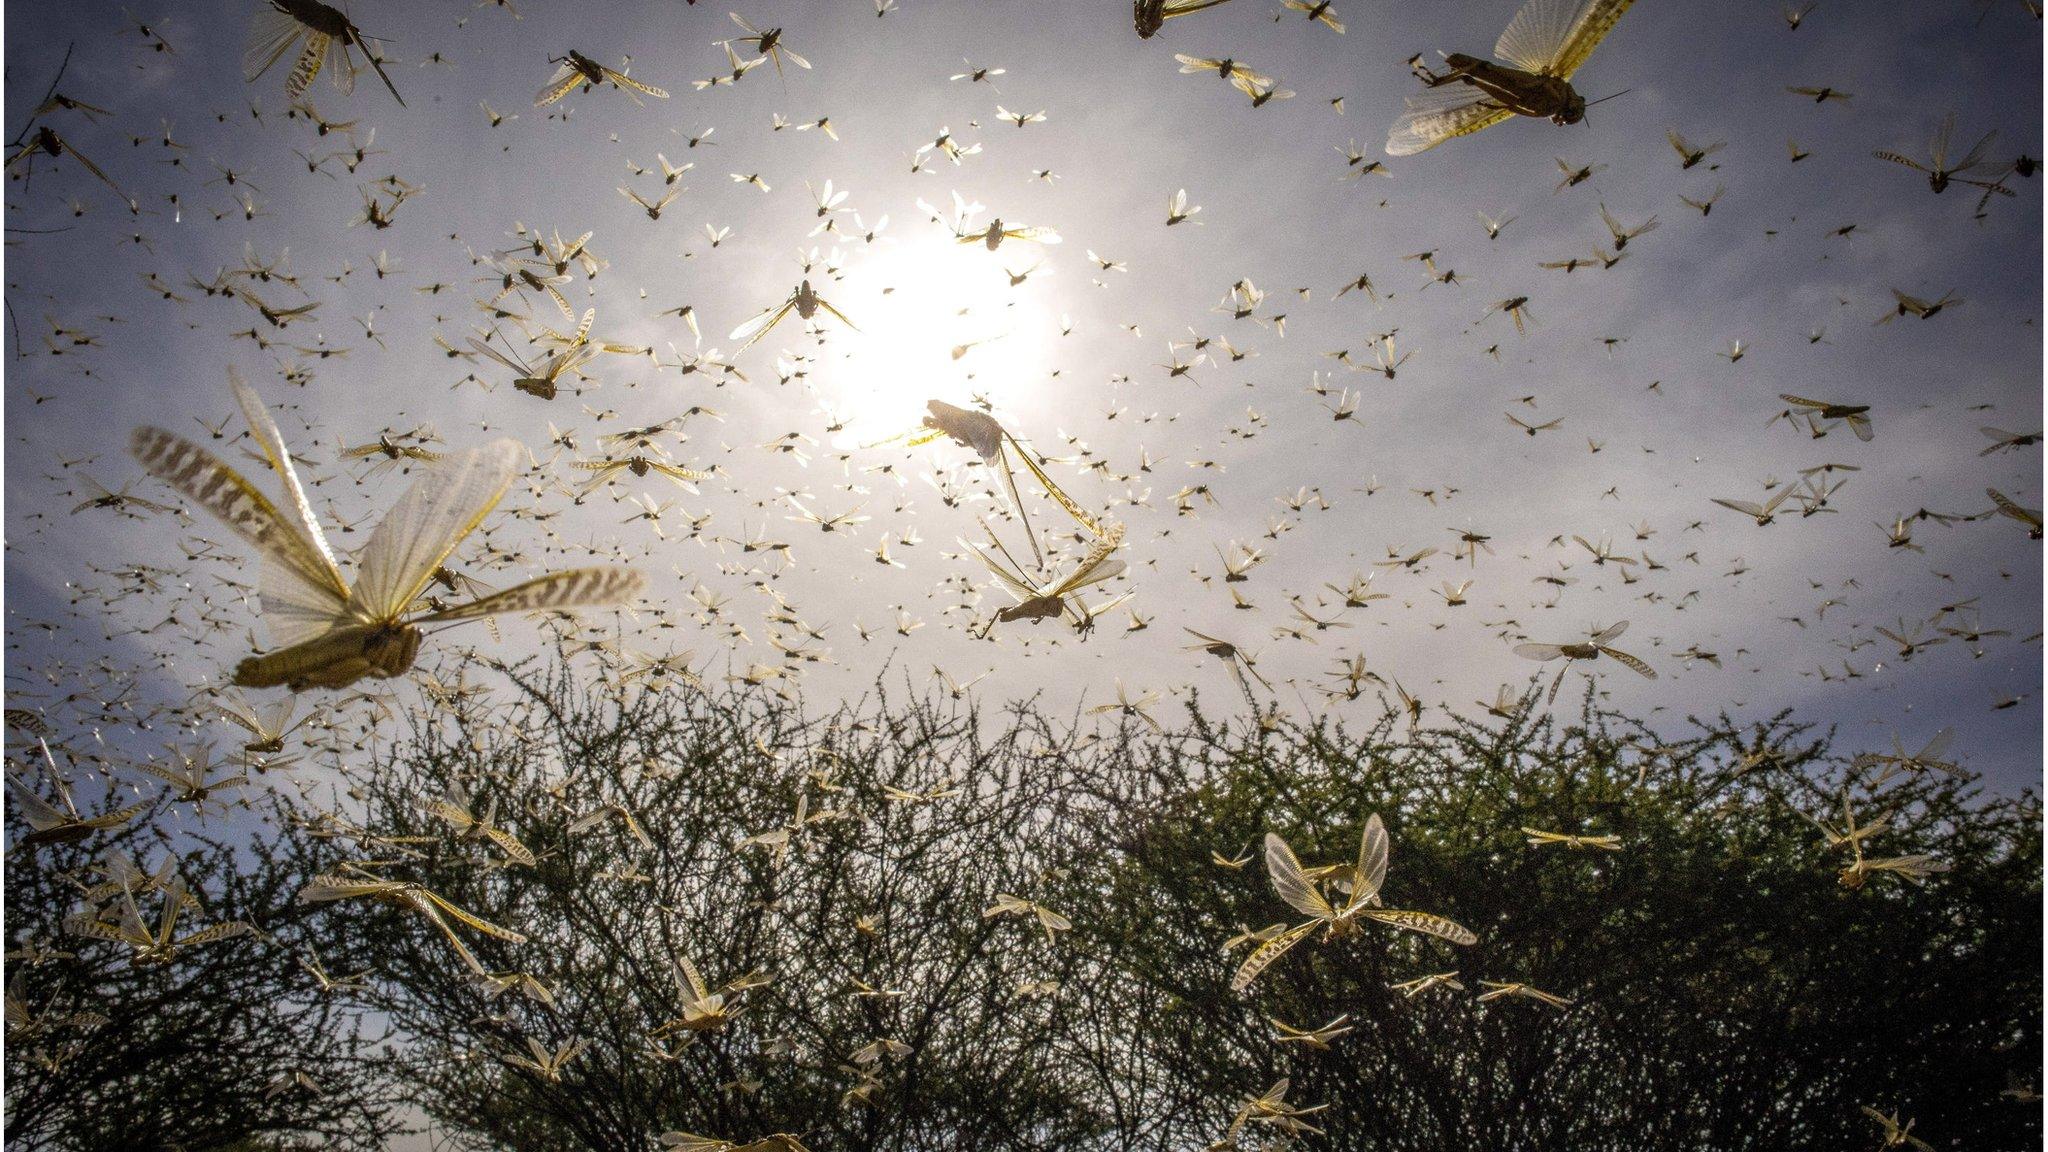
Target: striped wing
point(307, 68)
point(444, 505)
point(1292, 884)
point(1439, 114)
point(576, 588)
point(1265, 954)
point(301, 590)
point(565, 79)
point(426, 900)
point(1631, 662)
point(1425, 923)
point(625, 81)
point(1053, 490)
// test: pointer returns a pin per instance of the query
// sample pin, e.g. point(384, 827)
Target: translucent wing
point(1439, 114)
point(1631, 663)
point(1539, 651)
point(576, 588)
point(424, 898)
point(625, 81)
point(1093, 570)
point(1425, 923)
point(302, 592)
point(689, 972)
point(1746, 507)
point(1265, 954)
point(510, 846)
point(271, 441)
point(1802, 401)
point(753, 329)
point(1372, 862)
point(1291, 884)
point(1611, 633)
point(1595, 21)
point(444, 505)
point(559, 85)
point(1936, 746)
point(1053, 490)
point(307, 68)
point(271, 34)
point(1554, 37)
point(1937, 148)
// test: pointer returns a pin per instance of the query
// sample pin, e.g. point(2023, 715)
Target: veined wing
point(1053, 490)
point(271, 34)
point(1372, 863)
point(1802, 401)
point(293, 611)
point(1016, 587)
point(301, 589)
point(1554, 37)
point(1630, 662)
point(1611, 633)
point(752, 329)
point(1435, 115)
point(1423, 922)
point(1265, 954)
point(625, 81)
point(1292, 884)
point(565, 79)
point(1539, 651)
point(444, 505)
point(576, 588)
point(307, 68)
point(1594, 23)
point(425, 900)
point(1096, 568)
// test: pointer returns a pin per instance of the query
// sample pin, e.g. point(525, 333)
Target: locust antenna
point(1605, 99)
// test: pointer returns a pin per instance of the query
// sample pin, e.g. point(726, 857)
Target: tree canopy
point(910, 923)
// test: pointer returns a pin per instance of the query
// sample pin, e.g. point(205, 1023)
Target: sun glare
point(941, 321)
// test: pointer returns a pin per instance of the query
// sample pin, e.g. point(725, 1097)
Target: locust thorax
point(322, 18)
point(389, 651)
point(1574, 107)
point(1579, 651)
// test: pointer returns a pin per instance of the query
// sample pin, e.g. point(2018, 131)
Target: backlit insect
point(1543, 46)
point(1591, 649)
point(1857, 415)
point(332, 634)
point(577, 69)
point(1151, 15)
point(1940, 172)
point(804, 301)
point(281, 24)
point(1362, 902)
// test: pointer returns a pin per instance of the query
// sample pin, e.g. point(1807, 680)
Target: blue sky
point(1063, 357)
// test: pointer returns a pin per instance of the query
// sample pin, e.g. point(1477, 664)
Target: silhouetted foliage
point(1727, 990)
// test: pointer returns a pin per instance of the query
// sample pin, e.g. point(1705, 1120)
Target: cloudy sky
point(1076, 360)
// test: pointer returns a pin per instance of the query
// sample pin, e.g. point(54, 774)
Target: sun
point(939, 319)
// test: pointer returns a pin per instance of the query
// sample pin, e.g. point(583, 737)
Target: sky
point(1075, 359)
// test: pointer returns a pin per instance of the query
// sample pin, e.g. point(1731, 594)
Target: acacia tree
point(1728, 990)
point(203, 1052)
point(886, 1008)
